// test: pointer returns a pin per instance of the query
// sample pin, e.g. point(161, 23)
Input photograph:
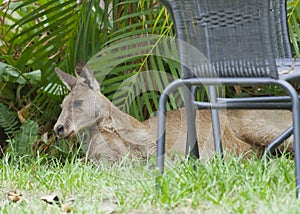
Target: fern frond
point(8, 120)
point(25, 138)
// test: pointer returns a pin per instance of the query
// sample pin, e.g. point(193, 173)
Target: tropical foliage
point(38, 35)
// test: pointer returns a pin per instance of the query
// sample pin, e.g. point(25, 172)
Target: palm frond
point(133, 71)
point(38, 33)
point(51, 33)
point(129, 67)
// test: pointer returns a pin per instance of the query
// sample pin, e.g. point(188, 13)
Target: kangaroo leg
point(261, 127)
point(231, 142)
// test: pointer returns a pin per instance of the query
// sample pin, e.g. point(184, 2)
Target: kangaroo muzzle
point(59, 130)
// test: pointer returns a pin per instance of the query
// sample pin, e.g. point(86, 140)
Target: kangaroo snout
point(59, 130)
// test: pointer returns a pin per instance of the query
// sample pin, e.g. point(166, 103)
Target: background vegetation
point(38, 35)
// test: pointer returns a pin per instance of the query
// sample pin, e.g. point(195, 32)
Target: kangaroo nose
point(59, 130)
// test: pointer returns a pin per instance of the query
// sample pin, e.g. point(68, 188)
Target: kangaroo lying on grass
point(114, 134)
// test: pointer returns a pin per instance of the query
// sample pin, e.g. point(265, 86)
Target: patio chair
point(240, 42)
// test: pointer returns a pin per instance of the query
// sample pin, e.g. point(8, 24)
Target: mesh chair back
point(233, 35)
point(279, 30)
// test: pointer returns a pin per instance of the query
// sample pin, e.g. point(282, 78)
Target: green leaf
point(34, 77)
point(11, 74)
point(8, 120)
point(24, 139)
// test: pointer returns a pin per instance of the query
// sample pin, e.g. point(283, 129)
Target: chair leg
point(215, 122)
point(278, 141)
point(296, 124)
point(192, 149)
point(161, 133)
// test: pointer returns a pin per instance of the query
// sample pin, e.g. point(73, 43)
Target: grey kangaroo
point(114, 134)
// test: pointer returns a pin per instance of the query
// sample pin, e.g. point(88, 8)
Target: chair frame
point(188, 84)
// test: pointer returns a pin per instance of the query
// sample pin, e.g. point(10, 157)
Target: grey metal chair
point(245, 42)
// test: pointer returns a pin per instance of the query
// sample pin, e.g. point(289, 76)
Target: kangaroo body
point(113, 134)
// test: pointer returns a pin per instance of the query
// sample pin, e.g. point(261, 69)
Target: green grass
point(238, 186)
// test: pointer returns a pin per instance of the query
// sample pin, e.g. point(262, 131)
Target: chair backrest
point(236, 36)
point(279, 29)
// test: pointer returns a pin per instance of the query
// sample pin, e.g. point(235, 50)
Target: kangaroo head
point(83, 106)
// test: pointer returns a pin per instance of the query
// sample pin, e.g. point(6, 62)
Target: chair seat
point(288, 65)
point(288, 68)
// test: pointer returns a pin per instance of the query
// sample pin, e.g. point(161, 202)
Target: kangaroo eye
point(77, 103)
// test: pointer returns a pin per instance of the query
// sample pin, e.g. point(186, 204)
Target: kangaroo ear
point(89, 79)
point(79, 66)
point(68, 80)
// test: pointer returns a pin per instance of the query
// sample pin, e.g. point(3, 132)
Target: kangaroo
point(113, 134)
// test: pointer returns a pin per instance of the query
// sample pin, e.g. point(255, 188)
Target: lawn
point(240, 185)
